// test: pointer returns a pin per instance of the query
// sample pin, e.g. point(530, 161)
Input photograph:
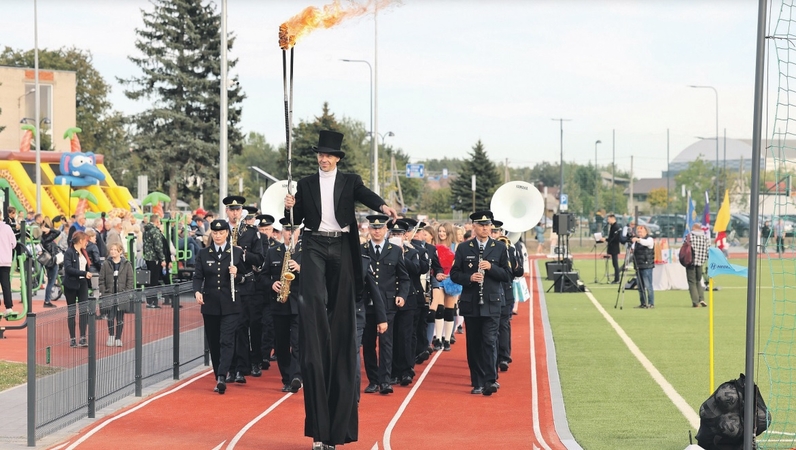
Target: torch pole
point(288, 102)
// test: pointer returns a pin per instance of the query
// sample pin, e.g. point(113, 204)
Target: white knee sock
point(447, 330)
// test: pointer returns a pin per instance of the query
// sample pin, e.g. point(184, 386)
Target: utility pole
point(561, 162)
point(506, 168)
point(613, 168)
point(630, 208)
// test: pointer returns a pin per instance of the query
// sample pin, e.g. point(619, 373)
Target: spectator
point(699, 246)
point(79, 224)
point(188, 244)
point(154, 254)
point(539, 230)
point(114, 235)
point(93, 251)
point(765, 233)
point(644, 255)
point(49, 235)
point(7, 244)
point(779, 233)
point(116, 275)
point(99, 226)
point(76, 276)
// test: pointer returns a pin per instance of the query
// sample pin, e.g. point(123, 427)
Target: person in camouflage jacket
point(153, 253)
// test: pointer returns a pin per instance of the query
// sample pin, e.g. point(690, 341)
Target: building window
point(45, 124)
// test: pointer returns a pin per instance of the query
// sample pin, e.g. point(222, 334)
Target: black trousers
point(361, 319)
point(504, 332)
point(5, 284)
point(220, 335)
point(403, 355)
point(482, 349)
point(256, 306)
point(327, 339)
point(267, 332)
point(77, 298)
point(286, 346)
point(615, 262)
point(421, 329)
point(378, 367)
point(240, 362)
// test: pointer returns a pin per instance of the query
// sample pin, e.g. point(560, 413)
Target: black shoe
point(49, 305)
point(385, 389)
point(422, 357)
point(273, 357)
point(286, 388)
point(256, 372)
point(372, 387)
point(436, 345)
point(490, 389)
point(459, 330)
point(82, 342)
point(453, 339)
point(239, 378)
point(221, 384)
point(230, 378)
point(615, 282)
point(504, 366)
point(295, 385)
point(265, 365)
point(446, 346)
point(73, 343)
point(406, 380)
point(477, 390)
point(394, 381)
point(151, 306)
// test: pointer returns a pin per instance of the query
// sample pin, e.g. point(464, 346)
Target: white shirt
point(380, 245)
point(328, 219)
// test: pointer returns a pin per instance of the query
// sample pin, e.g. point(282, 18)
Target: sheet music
point(598, 236)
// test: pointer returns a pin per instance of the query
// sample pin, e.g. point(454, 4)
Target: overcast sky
point(452, 72)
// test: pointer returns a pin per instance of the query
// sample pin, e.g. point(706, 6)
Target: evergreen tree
point(487, 180)
point(177, 139)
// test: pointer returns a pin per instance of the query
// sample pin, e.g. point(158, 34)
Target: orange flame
point(312, 18)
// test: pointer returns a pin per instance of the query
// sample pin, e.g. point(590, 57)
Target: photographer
point(643, 248)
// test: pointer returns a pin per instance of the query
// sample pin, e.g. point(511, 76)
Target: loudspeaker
point(563, 224)
point(557, 266)
point(567, 282)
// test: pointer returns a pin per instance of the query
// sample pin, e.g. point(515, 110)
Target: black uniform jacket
point(516, 270)
point(371, 294)
point(465, 263)
point(390, 272)
point(433, 259)
point(348, 189)
point(416, 265)
point(613, 239)
point(72, 272)
point(249, 241)
point(273, 267)
point(211, 278)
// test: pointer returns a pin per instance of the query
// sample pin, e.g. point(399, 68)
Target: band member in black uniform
point(250, 218)
point(259, 304)
point(420, 341)
point(285, 312)
point(387, 262)
point(245, 237)
point(211, 286)
point(269, 237)
point(327, 318)
point(504, 328)
point(614, 239)
point(480, 266)
point(403, 360)
point(370, 297)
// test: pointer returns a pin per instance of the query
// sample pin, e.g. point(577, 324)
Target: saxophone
point(286, 277)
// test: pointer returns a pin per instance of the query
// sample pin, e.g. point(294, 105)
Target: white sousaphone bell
point(519, 205)
point(273, 200)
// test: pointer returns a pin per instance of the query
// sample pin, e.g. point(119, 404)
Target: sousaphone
point(519, 205)
point(273, 200)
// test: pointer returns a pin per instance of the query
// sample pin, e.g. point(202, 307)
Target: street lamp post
point(599, 178)
point(561, 162)
point(383, 136)
point(716, 167)
point(373, 142)
point(37, 109)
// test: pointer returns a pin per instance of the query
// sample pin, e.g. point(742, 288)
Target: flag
point(722, 220)
point(689, 216)
point(718, 265)
point(706, 216)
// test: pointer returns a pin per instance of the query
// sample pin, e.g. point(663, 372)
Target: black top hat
point(219, 225)
point(398, 226)
point(413, 223)
point(234, 201)
point(482, 217)
point(496, 225)
point(330, 142)
point(378, 220)
point(264, 220)
point(251, 210)
point(285, 222)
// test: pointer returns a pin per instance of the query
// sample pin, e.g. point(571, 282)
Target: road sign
point(564, 202)
point(444, 173)
point(415, 171)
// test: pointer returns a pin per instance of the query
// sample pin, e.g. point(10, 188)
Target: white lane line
point(537, 430)
point(375, 446)
point(388, 431)
point(220, 446)
point(668, 389)
point(132, 410)
point(58, 447)
point(255, 420)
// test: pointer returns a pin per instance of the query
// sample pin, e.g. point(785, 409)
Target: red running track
point(436, 410)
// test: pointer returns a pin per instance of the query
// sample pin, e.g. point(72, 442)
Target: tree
point(436, 201)
point(177, 139)
point(93, 109)
point(658, 198)
point(257, 152)
point(549, 174)
point(487, 181)
point(698, 177)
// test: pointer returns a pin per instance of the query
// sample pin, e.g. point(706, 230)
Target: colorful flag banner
point(722, 220)
point(689, 216)
point(718, 265)
point(706, 216)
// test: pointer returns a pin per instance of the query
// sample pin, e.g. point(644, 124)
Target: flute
point(481, 283)
point(232, 275)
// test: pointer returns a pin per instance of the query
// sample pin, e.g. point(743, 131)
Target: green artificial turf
point(611, 401)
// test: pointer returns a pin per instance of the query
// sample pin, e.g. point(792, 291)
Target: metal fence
point(66, 384)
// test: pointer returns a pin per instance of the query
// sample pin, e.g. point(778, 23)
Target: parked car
point(738, 223)
point(671, 225)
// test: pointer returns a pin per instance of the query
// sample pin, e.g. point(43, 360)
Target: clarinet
point(481, 271)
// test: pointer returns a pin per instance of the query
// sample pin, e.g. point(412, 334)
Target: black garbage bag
point(721, 417)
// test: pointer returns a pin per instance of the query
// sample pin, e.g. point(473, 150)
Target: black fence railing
point(66, 384)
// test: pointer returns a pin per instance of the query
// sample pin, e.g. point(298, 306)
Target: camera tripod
point(620, 292)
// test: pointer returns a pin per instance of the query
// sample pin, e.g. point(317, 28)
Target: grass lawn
point(612, 402)
point(12, 374)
